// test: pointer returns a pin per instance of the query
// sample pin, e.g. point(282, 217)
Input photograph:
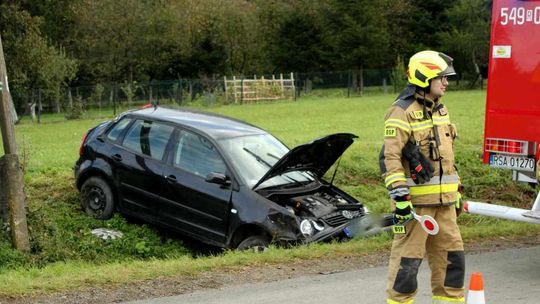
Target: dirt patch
point(182, 284)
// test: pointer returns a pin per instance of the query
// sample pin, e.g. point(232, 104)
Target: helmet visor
point(449, 71)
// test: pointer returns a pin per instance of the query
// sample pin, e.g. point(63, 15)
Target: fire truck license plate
point(512, 162)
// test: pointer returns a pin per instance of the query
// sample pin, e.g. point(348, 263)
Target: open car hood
point(317, 156)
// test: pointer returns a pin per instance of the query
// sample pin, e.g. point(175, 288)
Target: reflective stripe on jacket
point(408, 120)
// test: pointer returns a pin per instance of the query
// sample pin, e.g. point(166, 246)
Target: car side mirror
point(218, 178)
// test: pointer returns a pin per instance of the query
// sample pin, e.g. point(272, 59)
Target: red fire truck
point(512, 125)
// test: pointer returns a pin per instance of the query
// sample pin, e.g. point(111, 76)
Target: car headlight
point(306, 228)
point(317, 226)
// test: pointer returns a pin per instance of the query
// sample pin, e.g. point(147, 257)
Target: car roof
point(215, 125)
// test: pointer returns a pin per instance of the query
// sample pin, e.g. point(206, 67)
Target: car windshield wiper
point(273, 156)
point(257, 157)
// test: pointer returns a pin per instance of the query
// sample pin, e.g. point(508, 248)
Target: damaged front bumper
point(366, 225)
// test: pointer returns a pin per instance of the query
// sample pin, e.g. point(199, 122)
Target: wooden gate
point(246, 90)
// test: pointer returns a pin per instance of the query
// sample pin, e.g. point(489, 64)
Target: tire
point(97, 199)
point(257, 243)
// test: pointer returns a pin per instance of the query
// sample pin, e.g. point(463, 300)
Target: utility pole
point(13, 182)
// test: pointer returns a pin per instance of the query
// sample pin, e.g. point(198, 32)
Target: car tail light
point(83, 141)
point(507, 146)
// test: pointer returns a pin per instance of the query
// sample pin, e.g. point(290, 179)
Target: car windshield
point(254, 155)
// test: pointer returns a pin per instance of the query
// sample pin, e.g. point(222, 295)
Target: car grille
point(335, 219)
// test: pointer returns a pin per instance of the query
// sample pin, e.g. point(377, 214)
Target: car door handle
point(117, 157)
point(171, 179)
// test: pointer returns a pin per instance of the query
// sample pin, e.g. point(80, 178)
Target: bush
point(399, 75)
point(76, 111)
point(10, 257)
point(61, 231)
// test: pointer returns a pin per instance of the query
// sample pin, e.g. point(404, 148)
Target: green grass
point(66, 256)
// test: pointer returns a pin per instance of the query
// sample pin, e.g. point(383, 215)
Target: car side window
point(148, 138)
point(197, 155)
point(115, 132)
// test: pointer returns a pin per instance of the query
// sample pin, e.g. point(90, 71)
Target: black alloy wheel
point(256, 243)
point(97, 198)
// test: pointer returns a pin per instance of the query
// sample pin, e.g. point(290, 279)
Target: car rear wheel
point(257, 243)
point(97, 199)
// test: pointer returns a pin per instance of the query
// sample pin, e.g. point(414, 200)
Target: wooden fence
point(245, 90)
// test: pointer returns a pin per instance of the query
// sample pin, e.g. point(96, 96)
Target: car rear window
point(115, 132)
point(148, 138)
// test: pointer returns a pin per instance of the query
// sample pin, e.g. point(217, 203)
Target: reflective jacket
point(423, 122)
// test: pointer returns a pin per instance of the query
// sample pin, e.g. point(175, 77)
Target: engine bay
point(332, 209)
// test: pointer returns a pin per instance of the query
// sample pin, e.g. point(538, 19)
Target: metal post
point(481, 82)
point(242, 90)
point(297, 89)
point(150, 95)
point(39, 107)
point(225, 89)
point(181, 91)
point(114, 98)
point(348, 83)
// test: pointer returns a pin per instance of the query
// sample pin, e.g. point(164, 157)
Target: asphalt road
point(510, 276)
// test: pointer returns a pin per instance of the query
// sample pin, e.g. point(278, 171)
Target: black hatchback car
point(217, 179)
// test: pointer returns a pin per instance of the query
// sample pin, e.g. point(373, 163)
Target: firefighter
point(417, 162)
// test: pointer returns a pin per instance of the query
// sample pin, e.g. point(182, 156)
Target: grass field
point(66, 256)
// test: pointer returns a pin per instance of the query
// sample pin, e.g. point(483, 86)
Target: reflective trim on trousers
point(447, 300)
point(390, 301)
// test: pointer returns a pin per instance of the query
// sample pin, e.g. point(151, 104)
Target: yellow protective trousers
point(445, 256)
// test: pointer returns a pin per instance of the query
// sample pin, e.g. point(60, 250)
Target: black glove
point(421, 169)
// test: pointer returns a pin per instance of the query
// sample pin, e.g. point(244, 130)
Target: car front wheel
point(257, 243)
point(97, 198)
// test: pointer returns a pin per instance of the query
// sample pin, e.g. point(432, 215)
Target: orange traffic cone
point(476, 289)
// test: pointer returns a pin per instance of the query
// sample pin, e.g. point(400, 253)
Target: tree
point(32, 62)
point(295, 35)
point(427, 20)
point(238, 32)
point(110, 35)
point(467, 37)
point(398, 16)
point(58, 23)
point(360, 34)
point(126, 40)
